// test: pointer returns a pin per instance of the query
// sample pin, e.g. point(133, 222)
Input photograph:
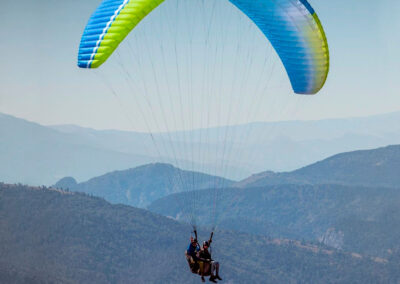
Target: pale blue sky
point(39, 79)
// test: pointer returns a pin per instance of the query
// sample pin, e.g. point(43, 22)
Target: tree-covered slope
point(378, 167)
point(360, 219)
point(142, 185)
point(52, 236)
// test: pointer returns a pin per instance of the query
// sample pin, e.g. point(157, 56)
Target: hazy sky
point(40, 81)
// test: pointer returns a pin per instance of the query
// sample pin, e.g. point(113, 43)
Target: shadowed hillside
point(347, 201)
point(142, 185)
point(49, 236)
point(360, 219)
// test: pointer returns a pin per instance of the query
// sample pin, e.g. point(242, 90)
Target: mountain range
point(358, 219)
point(35, 154)
point(348, 201)
point(250, 148)
point(55, 236)
point(323, 202)
point(377, 167)
point(144, 184)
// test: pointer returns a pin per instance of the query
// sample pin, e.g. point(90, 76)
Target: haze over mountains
point(52, 236)
point(36, 154)
point(142, 185)
point(378, 167)
point(344, 208)
point(349, 201)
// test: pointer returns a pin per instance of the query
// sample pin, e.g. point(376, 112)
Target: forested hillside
point(49, 236)
point(353, 218)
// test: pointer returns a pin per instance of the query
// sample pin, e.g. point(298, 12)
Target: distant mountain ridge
point(377, 167)
point(278, 146)
point(34, 154)
point(64, 237)
point(37, 154)
point(142, 185)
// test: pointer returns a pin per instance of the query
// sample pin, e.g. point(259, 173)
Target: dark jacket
point(205, 255)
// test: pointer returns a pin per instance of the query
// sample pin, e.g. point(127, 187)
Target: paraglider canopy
point(292, 27)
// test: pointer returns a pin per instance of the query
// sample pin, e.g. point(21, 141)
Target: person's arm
point(209, 257)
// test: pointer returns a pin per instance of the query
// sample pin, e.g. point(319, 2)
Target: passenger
point(205, 256)
point(192, 255)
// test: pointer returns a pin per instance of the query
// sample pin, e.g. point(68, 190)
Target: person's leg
point(201, 270)
point(212, 272)
point(217, 270)
point(212, 268)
